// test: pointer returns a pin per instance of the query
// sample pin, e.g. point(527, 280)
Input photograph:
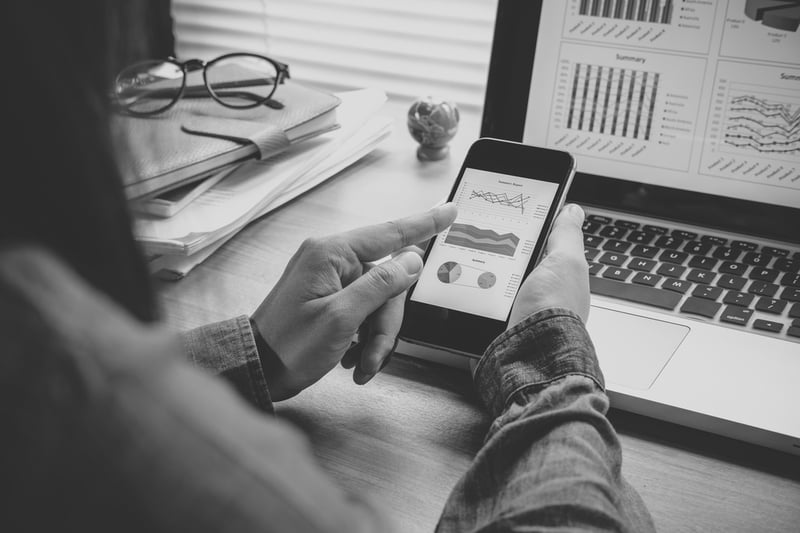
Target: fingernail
point(411, 262)
point(576, 211)
point(360, 378)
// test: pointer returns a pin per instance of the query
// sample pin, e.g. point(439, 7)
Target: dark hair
point(61, 187)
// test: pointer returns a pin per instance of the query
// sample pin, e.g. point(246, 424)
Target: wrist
point(274, 369)
point(540, 349)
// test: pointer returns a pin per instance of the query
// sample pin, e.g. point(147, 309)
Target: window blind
point(410, 49)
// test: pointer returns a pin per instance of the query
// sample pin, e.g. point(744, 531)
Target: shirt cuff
point(543, 348)
point(228, 349)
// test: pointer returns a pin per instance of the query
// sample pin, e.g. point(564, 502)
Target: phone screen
point(477, 265)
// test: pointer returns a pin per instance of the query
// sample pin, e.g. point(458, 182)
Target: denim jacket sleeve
point(551, 459)
point(228, 349)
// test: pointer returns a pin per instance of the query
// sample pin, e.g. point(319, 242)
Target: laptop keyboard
point(736, 283)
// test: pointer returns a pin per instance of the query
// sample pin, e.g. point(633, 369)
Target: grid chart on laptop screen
point(696, 95)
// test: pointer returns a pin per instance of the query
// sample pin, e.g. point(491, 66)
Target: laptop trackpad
point(631, 349)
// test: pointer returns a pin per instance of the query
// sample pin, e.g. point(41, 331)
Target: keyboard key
point(642, 278)
point(744, 245)
point(707, 292)
point(590, 227)
point(794, 312)
point(660, 230)
point(717, 241)
point(642, 265)
point(794, 331)
point(707, 263)
point(592, 241)
point(796, 322)
point(635, 293)
point(738, 298)
point(698, 306)
point(648, 252)
point(779, 252)
point(790, 295)
point(613, 259)
point(591, 253)
point(729, 267)
point(613, 245)
point(727, 254)
point(613, 232)
point(600, 219)
point(684, 235)
point(640, 237)
point(787, 265)
point(672, 271)
point(764, 274)
point(733, 314)
point(732, 282)
point(676, 285)
point(769, 305)
point(697, 248)
point(701, 276)
point(768, 325)
point(595, 268)
point(756, 259)
point(627, 224)
point(619, 274)
point(762, 288)
point(671, 256)
point(791, 280)
point(667, 241)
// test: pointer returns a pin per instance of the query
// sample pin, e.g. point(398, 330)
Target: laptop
point(684, 119)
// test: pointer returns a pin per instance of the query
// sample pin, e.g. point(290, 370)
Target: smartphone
point(508, 195)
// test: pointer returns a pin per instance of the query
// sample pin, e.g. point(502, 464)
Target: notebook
point(684, 119)
point(198, 137)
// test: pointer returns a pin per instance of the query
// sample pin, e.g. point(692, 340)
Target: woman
point(108, 427)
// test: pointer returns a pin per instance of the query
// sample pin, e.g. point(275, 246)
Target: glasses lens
point(242, 80)
point(149, 87)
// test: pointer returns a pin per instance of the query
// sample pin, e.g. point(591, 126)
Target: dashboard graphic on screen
point(477, 265)
point(700, 96)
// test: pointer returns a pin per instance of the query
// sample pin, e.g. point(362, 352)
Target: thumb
point(382, 282)
point(566, 237)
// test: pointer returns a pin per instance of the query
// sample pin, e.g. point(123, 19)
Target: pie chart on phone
point(449, 272)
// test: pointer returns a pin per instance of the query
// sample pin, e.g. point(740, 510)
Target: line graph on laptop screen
point(754, 126)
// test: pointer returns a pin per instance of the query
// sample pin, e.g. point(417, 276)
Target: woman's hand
point(562, 278)
point(328, 293)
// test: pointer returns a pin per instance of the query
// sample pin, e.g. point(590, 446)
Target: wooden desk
point(407, 436)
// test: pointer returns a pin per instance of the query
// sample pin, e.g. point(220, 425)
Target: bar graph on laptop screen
point(693, 94)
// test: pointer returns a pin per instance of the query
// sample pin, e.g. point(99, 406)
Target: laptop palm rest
point(633, 350)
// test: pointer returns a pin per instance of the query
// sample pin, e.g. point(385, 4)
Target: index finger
point(374, 242)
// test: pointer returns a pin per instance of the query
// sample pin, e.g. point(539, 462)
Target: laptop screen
point(685, 96)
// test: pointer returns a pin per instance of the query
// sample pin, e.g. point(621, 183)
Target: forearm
point(551, 458)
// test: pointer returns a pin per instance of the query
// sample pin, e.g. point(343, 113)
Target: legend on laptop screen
point(693, 94)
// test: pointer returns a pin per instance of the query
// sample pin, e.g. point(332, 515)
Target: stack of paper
point(179, 243)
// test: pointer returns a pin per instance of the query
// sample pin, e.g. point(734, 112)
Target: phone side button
point(635, 293)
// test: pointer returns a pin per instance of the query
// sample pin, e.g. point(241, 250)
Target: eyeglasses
point(238, 80)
